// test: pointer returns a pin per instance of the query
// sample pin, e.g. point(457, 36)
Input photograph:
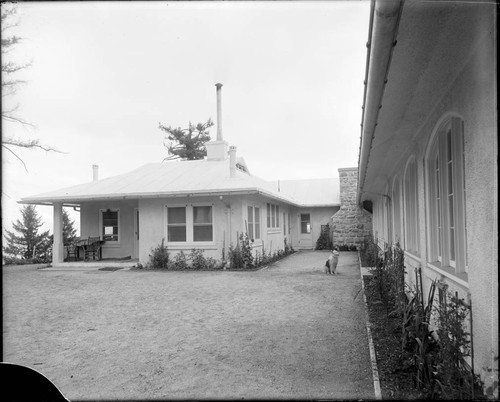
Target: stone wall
point(351, 224)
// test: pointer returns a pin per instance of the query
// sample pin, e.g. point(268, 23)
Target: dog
point(331, 263)
point(327, 267)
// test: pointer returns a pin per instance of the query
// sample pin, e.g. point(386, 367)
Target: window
point(176, 227)
point(202, 223)
point(273, 216)
point(445, 166)
point(253, 223)
point(396, 211)
point(284, 224)
point(411, 208)
point(305, 223)
point(189, 223)
point(109, 220)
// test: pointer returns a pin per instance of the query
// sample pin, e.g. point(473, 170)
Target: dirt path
point(287, 331)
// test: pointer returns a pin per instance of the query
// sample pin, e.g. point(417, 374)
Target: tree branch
point(13, 153)
point(28, 144)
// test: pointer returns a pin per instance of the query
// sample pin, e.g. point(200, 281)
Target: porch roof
point(169, 179)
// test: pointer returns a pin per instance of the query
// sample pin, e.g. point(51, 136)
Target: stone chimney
point(351, 224)
point(95, 172)
point(217, 150)
point(232, 161)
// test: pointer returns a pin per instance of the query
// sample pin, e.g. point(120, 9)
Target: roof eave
point(75, 201)
point(384, 25)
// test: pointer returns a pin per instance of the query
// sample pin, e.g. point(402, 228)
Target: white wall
point(472, 97)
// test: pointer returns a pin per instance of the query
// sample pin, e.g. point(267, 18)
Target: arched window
point(446, 189)
point(411, 208)
point(396, 211)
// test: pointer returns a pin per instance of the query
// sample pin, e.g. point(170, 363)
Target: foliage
point(159, 257)
point(179, 262)
point(453, 375)
point(200, 262)
point(436, 358)
point(324, 242)
point(417, 337)
point(240, 257)
point(189, 143)
point(68, 231)
point(11, 82)
point(25, 241)
point(345, 247)
point(369, 252)
point(388, 277)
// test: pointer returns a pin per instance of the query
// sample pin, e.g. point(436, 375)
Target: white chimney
point(232, 161)
point(217, 150)
point(95, 172)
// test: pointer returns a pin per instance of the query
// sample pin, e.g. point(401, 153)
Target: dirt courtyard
point(287, 331)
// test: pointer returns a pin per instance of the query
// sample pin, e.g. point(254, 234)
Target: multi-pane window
point(202, 223)
point(411, 208)
point(176, 224)
point(110, 222)
point(396, 211)
point(189, 224)
point(305, 223)
point(445, 165)
point(273, 216)
point(253, 223)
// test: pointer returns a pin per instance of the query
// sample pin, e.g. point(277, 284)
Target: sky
point(103, 75)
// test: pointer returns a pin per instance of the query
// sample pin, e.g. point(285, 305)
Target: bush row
point(239, 257)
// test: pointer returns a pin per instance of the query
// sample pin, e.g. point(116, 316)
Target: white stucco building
point(428, 154)
point(203, 204)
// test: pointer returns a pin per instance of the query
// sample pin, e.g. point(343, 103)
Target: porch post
point(58, 247)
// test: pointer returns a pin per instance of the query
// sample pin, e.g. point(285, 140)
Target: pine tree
point(69, 231)
point(188, 143)
point(25, 241)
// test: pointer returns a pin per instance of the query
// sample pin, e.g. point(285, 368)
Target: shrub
point(240, 257)
point(159, 257)
point(197, 259)
point(369, 252)
point(179, 262)
point(324, 242)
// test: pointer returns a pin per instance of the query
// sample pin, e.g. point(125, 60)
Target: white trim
point(448, 135)
point(449, 273)
point(410, 206)
point(252, 236)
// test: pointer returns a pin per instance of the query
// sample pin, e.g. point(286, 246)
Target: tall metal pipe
point(219, 112)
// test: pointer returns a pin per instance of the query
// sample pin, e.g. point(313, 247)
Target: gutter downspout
point(384, 24)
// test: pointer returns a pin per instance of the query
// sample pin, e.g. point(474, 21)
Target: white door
point(305, 231)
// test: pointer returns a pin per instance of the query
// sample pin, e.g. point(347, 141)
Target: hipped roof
point(187, 178)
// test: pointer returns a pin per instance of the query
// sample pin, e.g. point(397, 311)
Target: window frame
point(190, 225)
point(273, 217)
point(101, 225)
point(445, 171)
point(211, 223)
point(301, 221)
point(397, 212)
point(254, 223)
point(411, 209)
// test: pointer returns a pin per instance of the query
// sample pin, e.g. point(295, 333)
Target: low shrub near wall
point(437, 356)
point(240, 257)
